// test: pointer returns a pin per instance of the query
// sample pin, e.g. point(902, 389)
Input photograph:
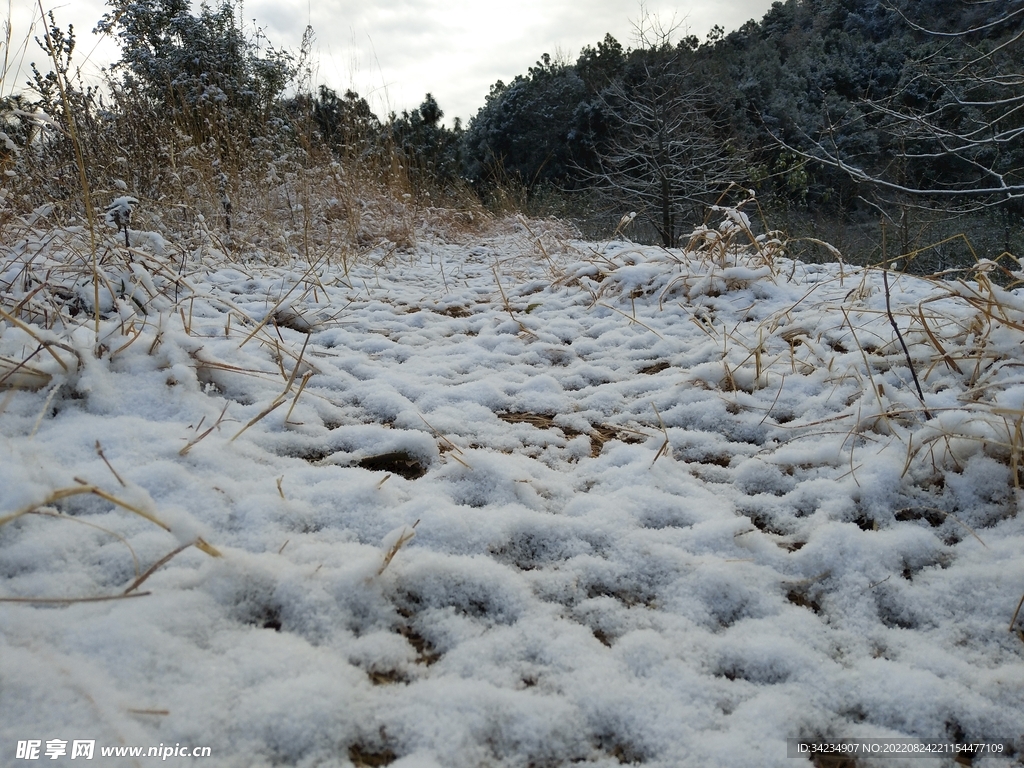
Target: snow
point(539, 502)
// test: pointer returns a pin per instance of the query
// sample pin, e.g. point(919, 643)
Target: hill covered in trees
point(840, 114)
point(850, 109)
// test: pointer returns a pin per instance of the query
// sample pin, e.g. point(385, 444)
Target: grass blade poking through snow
point(76, 142)
point(402, 536)
point(86, 488)
point(154, 568)
point(283, 397)
point(906, 352)
point(188, 446)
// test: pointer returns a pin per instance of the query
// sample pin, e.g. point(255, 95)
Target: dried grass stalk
point(404, 538)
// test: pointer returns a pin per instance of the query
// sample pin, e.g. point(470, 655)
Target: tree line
point(847, 108)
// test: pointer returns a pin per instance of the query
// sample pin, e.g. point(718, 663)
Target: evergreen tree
point(345, 123)
point(200, 69)
point(526, 130)
point(431, 151)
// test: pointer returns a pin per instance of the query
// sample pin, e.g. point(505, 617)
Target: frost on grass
point(670, 508)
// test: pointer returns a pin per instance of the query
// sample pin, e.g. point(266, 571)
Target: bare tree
point(664, 156)
point(956, 122)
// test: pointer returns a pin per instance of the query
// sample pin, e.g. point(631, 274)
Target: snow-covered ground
point(670, 508)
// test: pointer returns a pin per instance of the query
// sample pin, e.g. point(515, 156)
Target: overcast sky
point(395, 51)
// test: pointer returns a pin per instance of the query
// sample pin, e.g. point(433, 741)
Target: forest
point(885, 127)
point(843, 115)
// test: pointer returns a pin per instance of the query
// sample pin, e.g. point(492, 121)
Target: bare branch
point(964, 140)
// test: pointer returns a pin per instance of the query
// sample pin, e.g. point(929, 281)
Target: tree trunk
point(667, 233)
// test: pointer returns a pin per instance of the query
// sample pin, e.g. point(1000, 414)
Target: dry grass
point(400, 539)
point(968, 328)
point(259, 201)
point(298, 207)
point(599, 434)
point(85, 488)
point(44, 507)
point(960, 331)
